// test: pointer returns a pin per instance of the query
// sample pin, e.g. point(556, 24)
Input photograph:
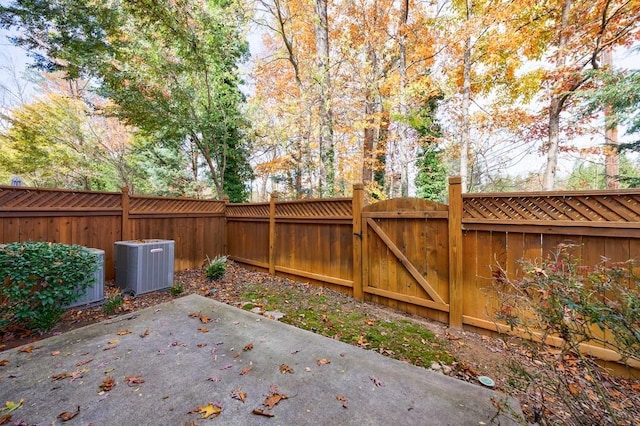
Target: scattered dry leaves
point(28, 349)
point(108, 384)
point(376, 381)
point(84, 362)
point(3, 362)
point(248, 347)
point(246, 370)
point(345, 403)
point(6, 419)
point(123, 332)
point(201, 345)
point(323, 361)
point(55, 353)
point(66, 415)
point(239, 395)
point(284, 368)
point(134, 380)
point(203, 329)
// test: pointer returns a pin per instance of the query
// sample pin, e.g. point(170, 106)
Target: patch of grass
point(112, 304)
point(402, 339)
point(176, 289)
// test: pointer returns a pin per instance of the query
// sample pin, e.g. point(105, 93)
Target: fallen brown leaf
point(123, 332)
point(134, 380)
point(284, 368)
point(206, 411)
point(323, 361)
point(273, 400)
point(345, 403)
point(260, 412)
point(55, 353)
point(3, 362)
point(28, 349)
point(246, 370)
point(108, 348)
point(83, 362)
point(66, 416)
point(108, 384)
point(201, 345)
point(204, 319)
point(239, 395)
point(5, 419)
point(203, 329)
point(145, 333)
point(248, 347)
point(60, 376)
point(376, 381)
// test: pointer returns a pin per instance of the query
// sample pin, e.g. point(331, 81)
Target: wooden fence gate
point(405, 256)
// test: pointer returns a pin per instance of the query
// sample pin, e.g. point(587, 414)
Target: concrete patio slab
point(186, 363)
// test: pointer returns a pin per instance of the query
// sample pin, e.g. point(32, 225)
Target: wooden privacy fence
point(431, 259)
point(98, 219)
point(425, 258)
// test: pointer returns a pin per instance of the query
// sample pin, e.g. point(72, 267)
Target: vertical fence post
point(272, 233)
point(357, 203)
point(225, 225)
point(125, 213)
point(455, 252)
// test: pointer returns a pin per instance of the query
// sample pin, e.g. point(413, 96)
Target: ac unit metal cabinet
point(143, 266)
point(93, 294)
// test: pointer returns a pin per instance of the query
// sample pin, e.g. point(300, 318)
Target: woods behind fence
point(425, 258)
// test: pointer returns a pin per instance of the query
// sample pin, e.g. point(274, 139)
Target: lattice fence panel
point(15, 198)
point(153, 205)
point(248, 210)
point(578, 208)
point(340, 208)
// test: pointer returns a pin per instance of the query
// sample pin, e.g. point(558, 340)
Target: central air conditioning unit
point(143, 266)
point(93, 294)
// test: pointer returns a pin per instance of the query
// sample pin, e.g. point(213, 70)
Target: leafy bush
point(216, 267)
point(559, 298)
point(39, 279)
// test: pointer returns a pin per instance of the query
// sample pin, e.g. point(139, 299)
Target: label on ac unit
point(156, 250)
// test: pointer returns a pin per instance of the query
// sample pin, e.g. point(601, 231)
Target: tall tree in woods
point(570, 36)
point(169, 67)
point(480, 61)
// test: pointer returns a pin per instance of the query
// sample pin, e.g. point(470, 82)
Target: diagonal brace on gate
point(405, 262)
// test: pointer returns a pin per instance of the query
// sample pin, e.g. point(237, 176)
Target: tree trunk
point(403, 127)
point(556, 106)
point(325, 142)
point(612, 160)
point(548, 178)
point(466, 102)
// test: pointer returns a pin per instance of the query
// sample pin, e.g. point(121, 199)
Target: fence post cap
point(453, 180)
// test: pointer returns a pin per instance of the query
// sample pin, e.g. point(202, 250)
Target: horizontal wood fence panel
point(248, 241)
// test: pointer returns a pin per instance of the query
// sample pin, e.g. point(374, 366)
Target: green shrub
point(216, 267)
point(40, 279)
point(556, 297)
point(112, 304)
